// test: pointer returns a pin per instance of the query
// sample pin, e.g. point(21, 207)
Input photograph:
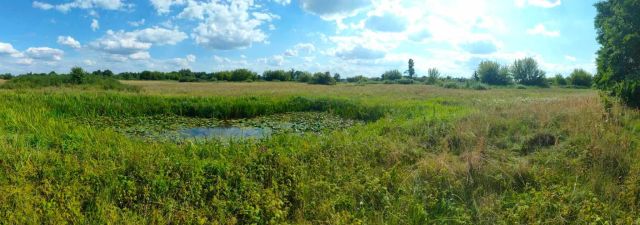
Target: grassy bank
point(427, 155)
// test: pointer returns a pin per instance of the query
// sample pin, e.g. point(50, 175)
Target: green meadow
point(411, 154)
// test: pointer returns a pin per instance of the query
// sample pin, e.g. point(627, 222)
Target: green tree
point(526, 72)
point(433, 75)
point(491, 72)
point(392, 75)
point(559, 80)
point(77, 75)
point(618, 28)
point(411, 71)
point(580, 78)
point(322, 78)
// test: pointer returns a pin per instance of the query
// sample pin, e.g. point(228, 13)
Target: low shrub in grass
point(404, 81)
point(479, 86)
point(451, 85)
point(520, 86)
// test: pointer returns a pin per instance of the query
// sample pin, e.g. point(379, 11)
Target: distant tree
point(52, 73)
point(336, 76)
point(322, 78)
point(618, 28)
point(433, 74)
point(475, 76)
point(77, 75)
point(304, 77)
point(276, 75)
point(392, 75)
point(526, 72)
point(559, 80)
point(580, 78)
point(356, 79)
point(492, 73)
point(107, 73)
point(243, 75)
point(411, 71)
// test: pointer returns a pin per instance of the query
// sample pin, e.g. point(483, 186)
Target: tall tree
point(526, 72)
point(77, 75)
point(618, 27)
point(491, 72)
point(411, 71)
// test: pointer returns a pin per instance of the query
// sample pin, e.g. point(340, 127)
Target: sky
point(350, 37)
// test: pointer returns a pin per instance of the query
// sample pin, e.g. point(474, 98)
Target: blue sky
point(351, 37)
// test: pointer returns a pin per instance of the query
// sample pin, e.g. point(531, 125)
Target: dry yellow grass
point(2, 81)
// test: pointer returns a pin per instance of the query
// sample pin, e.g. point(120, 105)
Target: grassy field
point(422, 155)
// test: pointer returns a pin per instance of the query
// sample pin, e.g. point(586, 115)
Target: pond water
point(224, 133)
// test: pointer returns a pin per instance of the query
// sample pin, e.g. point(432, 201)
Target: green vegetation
point(580, 78)
point(526, 72)
point(77, 77)
point(425, 155)
point(618, 27)
point(492, 73)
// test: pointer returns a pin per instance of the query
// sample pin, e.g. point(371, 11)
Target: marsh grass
point(430, 155)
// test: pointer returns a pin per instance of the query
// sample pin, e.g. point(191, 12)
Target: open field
point(421, 154)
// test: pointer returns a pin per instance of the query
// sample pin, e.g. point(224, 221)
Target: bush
point(392, 75)
point(451, 85)
point(580, 78)
point(519, 86)
point(276, 75)
point(559, 80)
point(628, 92)
point(404, 81)
point(355, 79)
point(479, 87)
point(323, 78)
point(492, 73)
point(243, 75)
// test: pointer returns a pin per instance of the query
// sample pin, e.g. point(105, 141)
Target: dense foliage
point(526, 72)
point(580, 78)
point(618, 26)
point(491, 72)
point(77, 77)
point(323, 78)
point(391, 75)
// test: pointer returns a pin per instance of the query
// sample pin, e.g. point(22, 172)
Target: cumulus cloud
point(480, 47)
point(164, 6)
point(95, 25)
point(7, 49)
point(540, 29)
point(135, 44)
point(69, 42)
point(306, 48)
point(360, 52)
point(44, 53)
point(226, 25)
point(82, 4)
point(570, 58)
point(538, 3)
point(276, 60)
point(334, 9)
point(387, 22)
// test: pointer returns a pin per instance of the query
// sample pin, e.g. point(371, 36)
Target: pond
point(181, 128)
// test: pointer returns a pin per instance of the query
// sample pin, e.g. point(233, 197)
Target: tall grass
point(454, 159)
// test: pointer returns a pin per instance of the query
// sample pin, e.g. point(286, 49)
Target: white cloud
point(274, 61)
point(68, 41)
point(482, 46)
point(226, 25)
point(282, 2)
point(360, 52)
point(45, 53)
point(334, 9)
point(95, 25)
point(185, 62)
point(137, 23)
point(82, 4)
point(7, 49)
point(306, 48)
point(539, 3)
point(387, 22)
point(89, 62)
point(540, 29)
point(164, 6)
point(135, 44)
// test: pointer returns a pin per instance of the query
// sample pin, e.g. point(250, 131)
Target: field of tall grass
point(425, 155)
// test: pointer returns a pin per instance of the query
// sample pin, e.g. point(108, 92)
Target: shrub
point(323, 78)
point(279, 75)
point(479, 86)
point(432, 76)
point(392, 75)
point(628, 92)
point(492, 73)
point(243, 75)
point(519, 86)
point(77, 75)
point(451, 85)
point(580, 78)
point(559, 80)
point(355, 79)
point(404, 81)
